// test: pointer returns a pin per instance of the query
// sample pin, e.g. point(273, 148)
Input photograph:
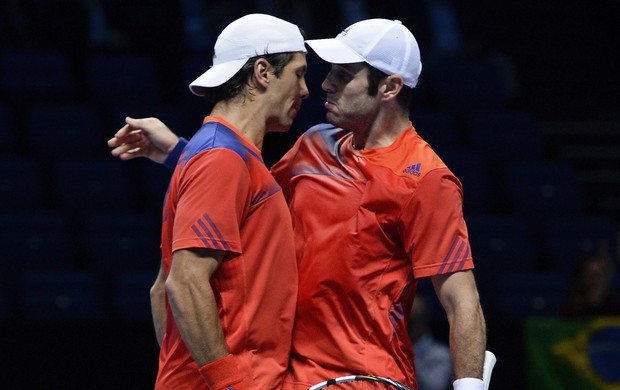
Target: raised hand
point(145, 137)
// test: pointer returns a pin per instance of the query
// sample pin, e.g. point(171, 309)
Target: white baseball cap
point(249, 36)
point(384, 44)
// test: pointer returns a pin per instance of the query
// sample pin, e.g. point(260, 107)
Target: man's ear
point(393, 84)
point(262, 72)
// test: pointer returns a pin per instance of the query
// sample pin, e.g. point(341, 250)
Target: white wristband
point(468, 384)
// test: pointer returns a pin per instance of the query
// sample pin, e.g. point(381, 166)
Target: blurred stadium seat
point(471, 168)
point(131, 296)
point(153, 181)
point(115, 79)
point(173, 116)
point(463, 85)
point(35, 240)
point(570, 238)
point(30, 75)
point(438, 127)
point(58, 131)
point(500, 245)
point(121, 241)
point(21, 184)
point(540, 190)
point(505, 135)
point(528, 295)
point(60, 296)
point(8, 131)
point(94, 184)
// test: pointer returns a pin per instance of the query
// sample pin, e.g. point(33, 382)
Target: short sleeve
point(214, 193)
point(434, 230)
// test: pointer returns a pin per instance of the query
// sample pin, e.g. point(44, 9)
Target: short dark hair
point(238, 83)
point(375, 76)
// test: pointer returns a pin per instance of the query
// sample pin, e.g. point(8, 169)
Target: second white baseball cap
point(384, 44)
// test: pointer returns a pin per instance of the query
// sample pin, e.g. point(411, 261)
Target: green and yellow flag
point(573, 354)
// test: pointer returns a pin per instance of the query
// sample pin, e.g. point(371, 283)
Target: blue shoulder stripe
point(214, 135)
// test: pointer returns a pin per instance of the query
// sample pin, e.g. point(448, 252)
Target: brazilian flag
point(573, 354)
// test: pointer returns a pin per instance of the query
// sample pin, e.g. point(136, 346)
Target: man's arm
point(193, 303)
point(146, 137)
point(158, 305)
point(459, 296)
point(193, 306)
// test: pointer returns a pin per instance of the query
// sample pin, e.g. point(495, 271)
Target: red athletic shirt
point(367, 225)
point(221, 196)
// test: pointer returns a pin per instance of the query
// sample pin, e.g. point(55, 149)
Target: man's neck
point(244, 117)
point(381, 133)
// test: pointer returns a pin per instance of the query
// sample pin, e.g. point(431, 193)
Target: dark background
point(74, 306)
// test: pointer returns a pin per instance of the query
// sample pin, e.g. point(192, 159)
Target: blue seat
point(500, 244)
point(467, 84)
point(61, 296)
point(542, 189)
point(571, 238)
point(28, 75)
point(8, 131)
point(438, 127)
point(505, 135)
point(154, 180)
point(32, 240)
point(471, 168)
point(6, 308)
point(94, 184)
point(132, 296)
point(195, 108)
point(426, 290)
point(115, 79)
point(189, 69)
point(122, 241)
point(35, 240)
point(520, 296)
point(21, 184)
point(56, 131)
point(173, 116)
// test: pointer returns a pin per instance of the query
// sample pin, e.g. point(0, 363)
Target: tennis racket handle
point(487, 369)
point(475, 383)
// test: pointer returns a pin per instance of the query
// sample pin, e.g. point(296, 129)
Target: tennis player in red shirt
point(224, 300)
point(374, 210)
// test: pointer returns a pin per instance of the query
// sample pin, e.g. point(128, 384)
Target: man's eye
point(340, 76)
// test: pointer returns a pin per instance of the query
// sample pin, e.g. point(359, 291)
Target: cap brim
point(334, 51)
point(216, 75)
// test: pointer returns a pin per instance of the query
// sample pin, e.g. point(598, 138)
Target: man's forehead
point(298, 60)
point(350, 68)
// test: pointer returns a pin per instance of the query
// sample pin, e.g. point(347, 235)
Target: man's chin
point(333, 120)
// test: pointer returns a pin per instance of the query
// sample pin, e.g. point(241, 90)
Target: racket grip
point(487, 370)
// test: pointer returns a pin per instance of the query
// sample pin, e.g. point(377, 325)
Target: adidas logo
point(413, 169)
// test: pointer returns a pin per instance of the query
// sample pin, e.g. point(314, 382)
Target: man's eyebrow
point(352, 69)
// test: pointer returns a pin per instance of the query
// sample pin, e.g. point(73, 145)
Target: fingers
point(127, 151)
point(127, 143)
point(133, 137)
point(134, 122)
point(147, 137)
point(145, 125)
